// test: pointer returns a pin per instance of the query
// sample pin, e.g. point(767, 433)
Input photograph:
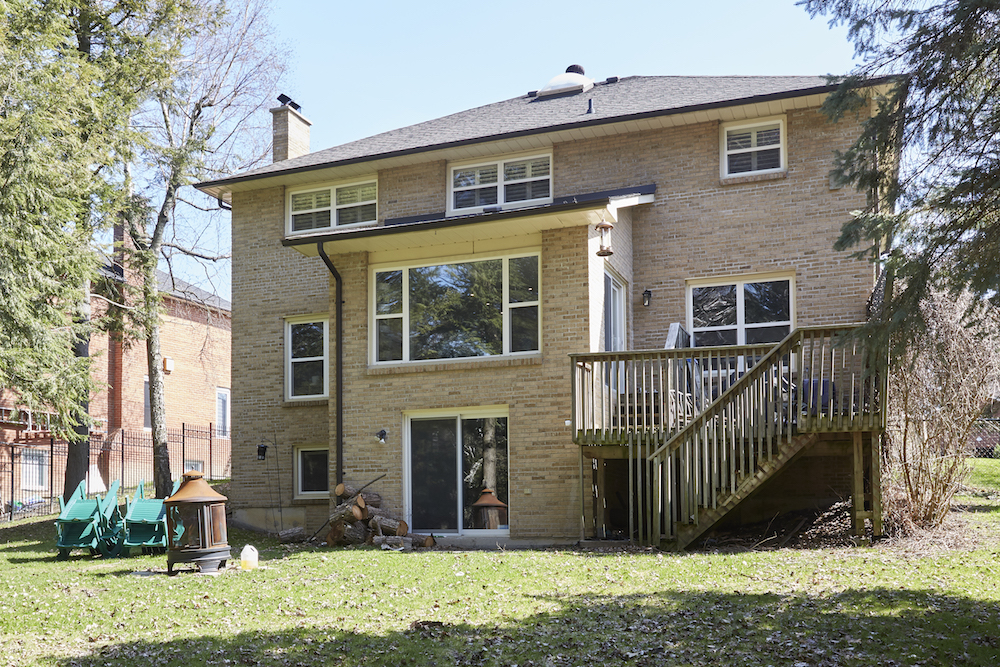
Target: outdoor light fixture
point(646, 296)
point(605, 227)
point(261, 452)
point(381, 436)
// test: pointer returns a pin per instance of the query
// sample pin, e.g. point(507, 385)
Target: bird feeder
point(196, 525)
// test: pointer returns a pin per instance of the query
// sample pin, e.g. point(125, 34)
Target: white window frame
point(757, 123)
point(739, 282)
point(194, 464)
point(220, 430)
point(615, 312)
point(306, 319)
point(507, 307)
point(500, 163)
point(478, 412)
point(333, 207)
point(298, 451)
point(37, 461)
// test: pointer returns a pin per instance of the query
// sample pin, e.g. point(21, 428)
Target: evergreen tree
point(936, 222)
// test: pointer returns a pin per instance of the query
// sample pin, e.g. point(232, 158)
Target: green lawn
point(309, 606)
point(985, 474)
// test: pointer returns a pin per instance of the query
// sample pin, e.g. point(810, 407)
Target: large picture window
point(504, 183)
point(742, 312)
point(306, 358)
point(348, 205)
point(475, 308)
point(452, 460)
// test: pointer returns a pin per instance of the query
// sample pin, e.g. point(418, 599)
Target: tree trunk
point(154, 365)
point(78, 449)
point(424, 541)
point(490, 453)
point(371, 498)
point(348, 512)
point(355, 533)
point(393, 541)
point(386, 526)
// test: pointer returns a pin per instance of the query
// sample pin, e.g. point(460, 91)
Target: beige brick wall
point(697, 228)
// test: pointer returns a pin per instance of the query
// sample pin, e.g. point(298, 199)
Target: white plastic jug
point(248, 558)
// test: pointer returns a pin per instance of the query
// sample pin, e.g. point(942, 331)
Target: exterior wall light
point(261, 452)
point(605, 227)
point(647, 295)
point(381, 436)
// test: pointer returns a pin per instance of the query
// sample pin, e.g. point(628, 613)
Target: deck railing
point(711, 417)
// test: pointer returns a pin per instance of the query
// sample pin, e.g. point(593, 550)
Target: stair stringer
point(788, 450)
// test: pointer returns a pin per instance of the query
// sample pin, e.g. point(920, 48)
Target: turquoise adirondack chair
point(90, 523)
point(146, 522)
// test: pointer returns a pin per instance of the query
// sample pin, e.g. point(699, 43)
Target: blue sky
point(359, 69)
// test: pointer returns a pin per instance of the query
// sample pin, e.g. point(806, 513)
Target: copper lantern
point(489, 511)
point(196, 525)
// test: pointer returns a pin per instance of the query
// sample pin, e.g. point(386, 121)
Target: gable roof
point(632, 98)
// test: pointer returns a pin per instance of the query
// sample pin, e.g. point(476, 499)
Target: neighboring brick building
point(473, 265)
point(195, 343)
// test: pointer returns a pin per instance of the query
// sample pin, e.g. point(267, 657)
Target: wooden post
point(876, 476)
point(857, 516)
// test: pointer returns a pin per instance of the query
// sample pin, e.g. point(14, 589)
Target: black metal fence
point(985, 439)
point(32, 474)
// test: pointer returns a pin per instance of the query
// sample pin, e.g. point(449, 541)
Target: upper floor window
point(740, 312)
point(222, 412)
point(753, 148)
point(504, 183)
point(457, 310)
point(306, 358)
point(351, 204)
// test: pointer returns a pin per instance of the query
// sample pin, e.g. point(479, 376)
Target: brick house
point(615, 303)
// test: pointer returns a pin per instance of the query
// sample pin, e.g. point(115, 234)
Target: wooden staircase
point(715, 424)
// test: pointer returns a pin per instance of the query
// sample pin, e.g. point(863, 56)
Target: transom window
point(751, 149)
point(503, 183)
point(740, 312)
point(334, 206)
point(306, 355)
point(475, 308)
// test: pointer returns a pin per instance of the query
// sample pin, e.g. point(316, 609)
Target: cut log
point(395, 541)
point(292, 535)
point(336, 534)
point(388, 526)
point(422, 541)
point(355, 533)
point(347, 491)
point(380, 511)
point(348, 512)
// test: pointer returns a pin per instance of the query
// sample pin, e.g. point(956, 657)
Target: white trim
point(500, 162)
point(724, 128)
point(332, 186)
point(472, 412)
point(227, 431)
point(507, 307)
point(297, 492)
point(739, 281)
point(305, 319)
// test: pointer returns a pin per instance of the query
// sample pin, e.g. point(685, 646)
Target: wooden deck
point(708, 426)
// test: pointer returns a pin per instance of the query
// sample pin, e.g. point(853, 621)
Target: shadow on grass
point(854, 627)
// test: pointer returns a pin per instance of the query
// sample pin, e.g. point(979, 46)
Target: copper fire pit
point(196, 525)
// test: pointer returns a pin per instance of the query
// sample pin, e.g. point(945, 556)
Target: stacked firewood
point(360, 519)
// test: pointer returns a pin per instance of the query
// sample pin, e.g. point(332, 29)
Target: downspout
point(340, 360)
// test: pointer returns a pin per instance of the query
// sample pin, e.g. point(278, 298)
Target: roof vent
point(572, 81)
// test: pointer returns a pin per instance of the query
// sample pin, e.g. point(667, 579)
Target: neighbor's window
point(306, 355)
point(753, 148)
point(476, 308)
point(505, 183)
point(334, 206)
point(221, 412)
point(312, 477)
point(147, 406)
point(744, 312)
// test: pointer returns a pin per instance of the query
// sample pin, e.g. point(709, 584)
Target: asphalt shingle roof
point(628, 98)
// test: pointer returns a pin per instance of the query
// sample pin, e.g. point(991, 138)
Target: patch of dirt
point(831, 528)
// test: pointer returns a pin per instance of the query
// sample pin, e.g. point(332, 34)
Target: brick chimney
point(290, 131)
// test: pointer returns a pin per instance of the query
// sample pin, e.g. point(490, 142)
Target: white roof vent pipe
point(572, 81)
